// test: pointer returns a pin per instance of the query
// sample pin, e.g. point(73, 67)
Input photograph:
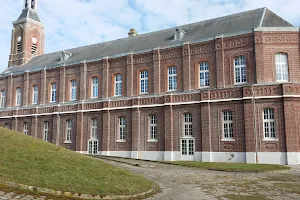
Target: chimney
point(132, 33)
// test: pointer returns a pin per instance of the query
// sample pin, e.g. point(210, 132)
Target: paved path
point(13, 196)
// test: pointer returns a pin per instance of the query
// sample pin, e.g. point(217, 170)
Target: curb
point(74, 195)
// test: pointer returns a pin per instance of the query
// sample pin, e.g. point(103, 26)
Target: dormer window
point(19, 44)
point(65, 55)
point(33, 46)
point(179, 33)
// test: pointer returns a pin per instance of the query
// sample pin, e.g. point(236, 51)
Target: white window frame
point(35, 94)
point(203, 75)
point(25, 128)
point(73, 90)
point(18, 97)
point(282, 67)
point(227, 128)
point(3, 98)
point(152, 128)
point(118, 85)
point(172, 78)
point(53, 92)
point(93, 145)
point(46, 131)
point(69, 125)
point(95, 87)
point(94, 127)
point(187, 125)
point(121, 129)
point(269, 125)
point(240, 71)
point(144, 82)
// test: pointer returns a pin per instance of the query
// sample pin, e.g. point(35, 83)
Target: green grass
point(29, 161)
point(231, 167)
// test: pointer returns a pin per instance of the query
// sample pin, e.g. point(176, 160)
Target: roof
point(29, 14)
point(239, 22)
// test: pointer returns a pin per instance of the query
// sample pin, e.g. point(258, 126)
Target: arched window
point(144, 82)
point(203, 75)
point(281, 63)
point(227, 125)
point(68, 138)
point(95, 85)
point(46, 131)
point(19, 44)
point(93, 141)
point(172, 78)
point(73, 90)
point(25, 128)
point(53, 93)
point(3, 97)
point(152, 127)
point(122, 129)
point(33, 46)
point(188, 124)
point(269, 124)
point(18, 97)
point(94, 129)
point(35, 96)
point(118, 85)
point(240, 69)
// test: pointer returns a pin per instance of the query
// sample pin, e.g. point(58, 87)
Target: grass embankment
point(232, 167)
point(29, 161)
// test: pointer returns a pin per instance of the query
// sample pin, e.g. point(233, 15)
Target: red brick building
point(225, 89)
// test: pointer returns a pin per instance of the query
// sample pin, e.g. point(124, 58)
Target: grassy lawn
point(29, 161)
point(231, 167)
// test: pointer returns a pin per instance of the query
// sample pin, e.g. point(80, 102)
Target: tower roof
point(28, 13)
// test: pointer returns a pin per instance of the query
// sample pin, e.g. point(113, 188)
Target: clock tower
point(27, 38)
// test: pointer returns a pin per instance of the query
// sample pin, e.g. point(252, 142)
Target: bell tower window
point(26, 4)
point(33, 4)
point(19, 44)
point(33, 46)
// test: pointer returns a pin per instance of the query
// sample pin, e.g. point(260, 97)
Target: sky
point(74, 23)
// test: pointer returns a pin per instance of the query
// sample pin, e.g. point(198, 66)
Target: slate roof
point(29, 14)
point(239, 22)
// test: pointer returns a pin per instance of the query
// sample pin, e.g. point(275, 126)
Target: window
point(204, 75)
point(281, 62)
point(53, 92)
point(69, 131)
point(240, 69)
point(269, 124)
point(18, 96)
point(33, 46)
point(227, 125)
point(35, 94)
point(73, 90)
point(19, 44)
point(46, 131)
point(3, 96)
point(122, 128)
point(172, 78)
point(94, 128)
point(144, 82)
point(152, 127)
point(95, 85)
point(93, 146)
point(118, 85)
point(6, 125)
point(25, 128)
point(188, 124)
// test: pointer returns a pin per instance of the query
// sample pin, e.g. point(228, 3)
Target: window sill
point(227, 140)
point(270, 140)
point(243, 83)
point(67, 142)
point(121, 140)
point(152, 140)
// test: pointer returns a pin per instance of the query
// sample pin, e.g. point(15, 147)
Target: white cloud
point(72, 23)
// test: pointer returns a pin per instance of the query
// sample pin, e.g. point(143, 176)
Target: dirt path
point(184, 183)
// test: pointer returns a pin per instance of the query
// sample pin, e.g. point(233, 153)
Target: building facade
point(222, 90)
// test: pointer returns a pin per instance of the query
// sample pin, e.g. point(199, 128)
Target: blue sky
point(73, 23)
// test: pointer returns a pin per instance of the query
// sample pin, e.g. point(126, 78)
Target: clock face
point(34, 40)
point(19, 39)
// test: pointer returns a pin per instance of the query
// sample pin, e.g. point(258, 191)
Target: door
point(187, 149)
point(93, 146)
